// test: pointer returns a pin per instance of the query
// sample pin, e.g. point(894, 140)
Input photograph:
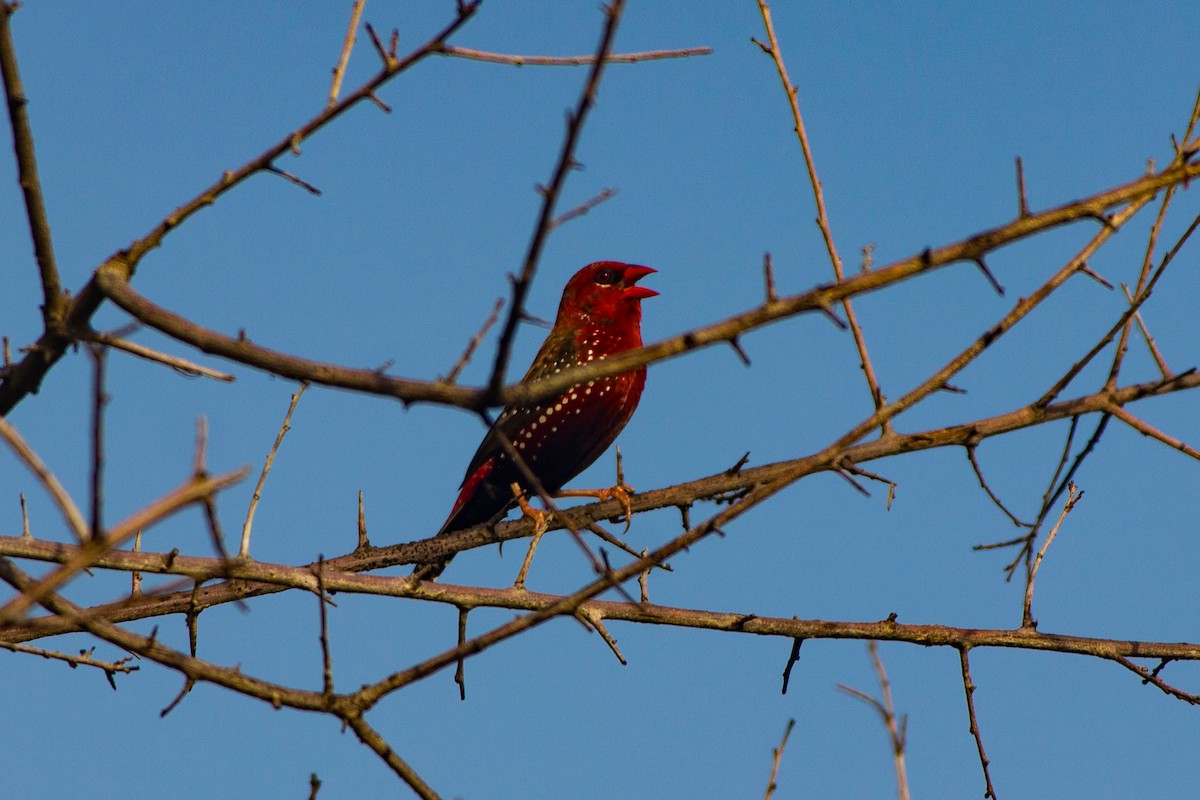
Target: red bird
point(600, 315)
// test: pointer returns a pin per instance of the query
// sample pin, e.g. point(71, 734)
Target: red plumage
point(600, 315)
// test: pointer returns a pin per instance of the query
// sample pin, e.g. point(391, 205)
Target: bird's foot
point(621, 493)
point(540, 518)
point(540, 522)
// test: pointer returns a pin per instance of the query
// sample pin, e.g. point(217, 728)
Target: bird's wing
point(514, 419)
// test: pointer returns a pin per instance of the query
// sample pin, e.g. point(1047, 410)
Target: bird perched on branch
point(600, 315)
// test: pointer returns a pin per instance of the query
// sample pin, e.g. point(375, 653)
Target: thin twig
point(582, 208)
point(896, 727)
point(191, 491)
point(293, 179)
point(550, 195)
point(1154, 433)
point(368, 736)
point(182, 365)
point(135, 577)
point(339, 71)
point(323, 616)
point(1150, 343)
point(1168, 196)
point(99, 401)
point(244, 549)
point(473, 345)
point(84, 659)
point(970, 448)
point(1153, 678)
point(772, 49)
point(969, 689)
point(776, 756)
point(1073, 496)
point(570, 61)
point(66, 505)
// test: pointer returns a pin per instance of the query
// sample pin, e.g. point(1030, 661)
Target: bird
point(559, 437)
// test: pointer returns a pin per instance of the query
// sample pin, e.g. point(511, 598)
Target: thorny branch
point(112, 281)
point(897, 727)
point(772, 49)
point(66, 320)
point(434, 549)
point(550, 194)
point(25, 376)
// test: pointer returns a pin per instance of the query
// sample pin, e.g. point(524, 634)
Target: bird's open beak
point(633, 274)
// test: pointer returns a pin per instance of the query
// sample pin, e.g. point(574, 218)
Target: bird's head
point(605, 293)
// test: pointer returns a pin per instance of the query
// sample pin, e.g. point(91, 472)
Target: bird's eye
point(606, 277)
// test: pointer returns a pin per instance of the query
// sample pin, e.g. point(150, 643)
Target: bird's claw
point(540, 518)
point(622, 493)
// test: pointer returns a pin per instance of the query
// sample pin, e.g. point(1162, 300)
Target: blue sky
point(915, 114)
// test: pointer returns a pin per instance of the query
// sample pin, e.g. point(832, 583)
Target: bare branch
point(84, 659)
point(244, 549)
point(772, 49)
point(969, 689)
point(566, 160)
point(193, 490)
point(54, 303)
point(473, 345)
point(896, 727)
point(26, 376)
point(570, 61)
point(339, 71)
point(181, 365)
point(776, 756)
point(1027, 620)
point(66, 505)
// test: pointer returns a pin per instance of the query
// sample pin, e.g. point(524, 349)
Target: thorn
point(1022, 202)
point(1086, 270)
point(737, 468)
point(983, 267)
point(384, 107)
point(363, 543)
point(769, 278)
point(793, 657)
point(303, 184)
point(530, 318)
point(737, 348)
point(827, 311)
